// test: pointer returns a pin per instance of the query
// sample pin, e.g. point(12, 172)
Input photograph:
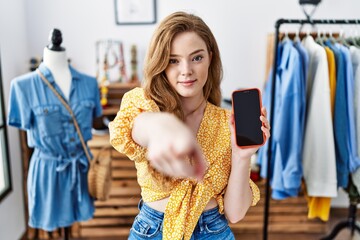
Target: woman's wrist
point(240, 162)
point(239, 157)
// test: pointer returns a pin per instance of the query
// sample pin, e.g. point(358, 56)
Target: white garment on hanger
point(355, 59)
point(319, 163)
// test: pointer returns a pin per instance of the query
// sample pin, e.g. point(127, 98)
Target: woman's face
point(188, 66)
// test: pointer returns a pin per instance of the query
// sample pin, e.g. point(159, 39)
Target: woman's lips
point(187, 82)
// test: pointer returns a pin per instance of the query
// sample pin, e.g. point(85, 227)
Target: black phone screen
point(246, 107)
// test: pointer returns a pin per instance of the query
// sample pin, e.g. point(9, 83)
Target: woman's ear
point(210, 55)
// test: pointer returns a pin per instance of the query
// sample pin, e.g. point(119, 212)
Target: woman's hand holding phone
point(248, 123)
point(246, 153)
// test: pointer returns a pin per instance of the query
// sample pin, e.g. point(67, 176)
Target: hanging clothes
point(332, 76)
point(355, 59)
point(332, 119)
point(57, 177)
point(319, 150)
point(340, 116)
point(289, 112)
point(304, 57)
point(354, 161)
point(319, 207)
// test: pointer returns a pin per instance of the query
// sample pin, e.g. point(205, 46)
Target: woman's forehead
point(187, 43)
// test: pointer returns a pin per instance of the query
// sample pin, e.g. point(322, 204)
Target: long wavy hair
point(156, 85)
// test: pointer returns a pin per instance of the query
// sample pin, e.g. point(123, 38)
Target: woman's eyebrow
point(194, 52)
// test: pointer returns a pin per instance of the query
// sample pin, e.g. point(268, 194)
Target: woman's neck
point(194, 112)
point(193, 106)
point(54, 59)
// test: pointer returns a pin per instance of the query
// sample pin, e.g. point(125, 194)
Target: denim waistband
point(210, 212)
point(150, 212)
point(206, 217)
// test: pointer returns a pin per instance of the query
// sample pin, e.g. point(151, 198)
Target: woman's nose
point(186, 69)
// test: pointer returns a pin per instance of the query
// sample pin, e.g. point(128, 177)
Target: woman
point(193, 177)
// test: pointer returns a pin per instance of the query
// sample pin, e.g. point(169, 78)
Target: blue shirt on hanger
point(354, 161)
point(57, 177)
point(286, 169)
point(341, 128)
point(304, 62)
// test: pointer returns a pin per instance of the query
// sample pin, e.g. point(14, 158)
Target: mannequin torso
point(59, 159)
point(58, 65)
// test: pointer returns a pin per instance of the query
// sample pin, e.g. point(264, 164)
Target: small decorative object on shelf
point(110, 53)
point(34, 63)
point(104, 92)
point(134, 76)
point(104, 83)
point(122, 67)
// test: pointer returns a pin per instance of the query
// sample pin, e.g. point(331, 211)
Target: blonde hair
point(156, 85)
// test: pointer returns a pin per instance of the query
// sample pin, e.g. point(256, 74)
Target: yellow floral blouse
point(187, 199)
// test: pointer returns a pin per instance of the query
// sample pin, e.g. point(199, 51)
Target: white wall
point(14, 61)
point(239, 26)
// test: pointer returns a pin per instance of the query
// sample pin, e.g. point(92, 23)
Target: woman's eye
point(198, 58)
point(173, 61)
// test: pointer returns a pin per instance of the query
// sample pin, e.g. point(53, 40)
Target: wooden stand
point(349, 223)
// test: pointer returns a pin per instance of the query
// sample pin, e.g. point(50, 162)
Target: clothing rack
point(351, 222)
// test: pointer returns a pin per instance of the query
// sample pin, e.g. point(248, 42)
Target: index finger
point(264, 111)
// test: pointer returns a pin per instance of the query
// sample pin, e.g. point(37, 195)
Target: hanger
point(351, 39)
point(313, 2)
point(341, 39)
point(305, 3)
point(357, 37)
point(297, 35)
point(286, 36)
point(324, 36)
point(308, 32)
point(331, 37)
point(319, 38)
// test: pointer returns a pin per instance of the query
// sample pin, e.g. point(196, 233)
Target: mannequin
point(57, 176)
point(55, 59)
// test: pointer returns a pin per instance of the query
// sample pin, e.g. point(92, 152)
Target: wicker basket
point(99, 175)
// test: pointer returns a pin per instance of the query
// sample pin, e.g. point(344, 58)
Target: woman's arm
point(238, 195)
point(170, 144)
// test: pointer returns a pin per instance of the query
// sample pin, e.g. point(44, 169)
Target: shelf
point(121, 85)
point(115, 94)
point(111, 110)
point(98, 141)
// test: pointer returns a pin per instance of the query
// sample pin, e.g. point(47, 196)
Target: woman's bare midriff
point(160, 205)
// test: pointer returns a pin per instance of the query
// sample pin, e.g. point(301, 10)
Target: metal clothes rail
point(351, 222)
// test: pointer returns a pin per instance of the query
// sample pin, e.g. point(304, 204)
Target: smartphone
point(247, 111)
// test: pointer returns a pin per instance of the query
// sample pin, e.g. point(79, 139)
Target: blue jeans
point(211, 225)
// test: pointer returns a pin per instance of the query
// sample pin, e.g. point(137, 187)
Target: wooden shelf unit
point(116, 92)
point(114, 216)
